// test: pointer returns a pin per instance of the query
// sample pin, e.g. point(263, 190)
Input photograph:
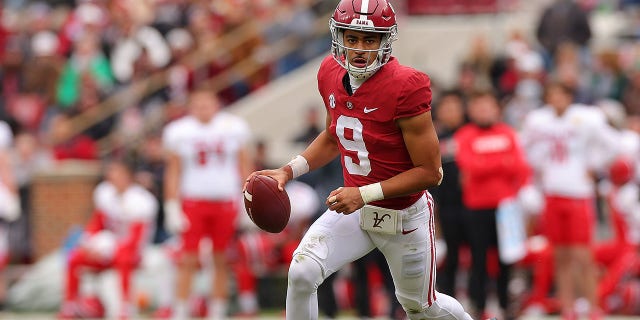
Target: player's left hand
point(345, 200)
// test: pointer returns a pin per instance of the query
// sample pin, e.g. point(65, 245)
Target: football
point(268, 207)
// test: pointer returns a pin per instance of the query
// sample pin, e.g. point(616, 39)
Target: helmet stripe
point(364, 8)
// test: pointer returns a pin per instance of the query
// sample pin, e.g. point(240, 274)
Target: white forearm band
point(371, 192)
point(172, 205)
point(299, 166)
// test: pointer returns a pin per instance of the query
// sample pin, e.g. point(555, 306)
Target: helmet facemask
point(339, 50)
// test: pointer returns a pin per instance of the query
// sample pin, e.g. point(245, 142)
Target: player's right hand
point(281, 175)
point(345, 200)
point(175, 221)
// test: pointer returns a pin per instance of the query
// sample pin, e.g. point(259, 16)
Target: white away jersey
point(565, 149)
point(134, 205)
point(208, 154)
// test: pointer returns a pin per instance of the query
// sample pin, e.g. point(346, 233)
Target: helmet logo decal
point(332, 101)
point(364, 9)
point(386, 18)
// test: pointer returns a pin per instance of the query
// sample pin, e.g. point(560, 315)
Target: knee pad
point(305, 274)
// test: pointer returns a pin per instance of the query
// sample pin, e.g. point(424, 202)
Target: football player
point(566, 143)
point(207, 156)
point(378, 122)
point(115, 237)
point(619, 255)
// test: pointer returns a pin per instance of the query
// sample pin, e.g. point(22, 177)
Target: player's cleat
point(569, 315)
point(596, 315)
point(198, 307)
point(126, 312)
point(68, 310)
point(163, 313)
point(91, 307)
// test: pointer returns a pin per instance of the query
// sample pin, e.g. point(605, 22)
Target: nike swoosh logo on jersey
point(408, 231)
point(367, 110)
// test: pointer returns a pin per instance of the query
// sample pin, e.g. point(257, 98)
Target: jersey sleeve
point(170, 139)
point(140, 205)
point(534, 151)
point(102, 196)
point(322, 73)
point(606, 140)
point(415, 96)
point(243, 131)
point(6, 137)
point(525, 132)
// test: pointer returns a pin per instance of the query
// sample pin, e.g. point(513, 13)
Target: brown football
point(268, 207)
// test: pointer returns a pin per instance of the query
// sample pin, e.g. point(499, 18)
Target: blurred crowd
point(62, 60)
point(97, 80)
point(573, 108)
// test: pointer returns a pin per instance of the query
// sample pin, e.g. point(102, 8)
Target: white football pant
point(335, 240)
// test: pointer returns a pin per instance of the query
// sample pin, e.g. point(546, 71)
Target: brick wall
point(61, 198)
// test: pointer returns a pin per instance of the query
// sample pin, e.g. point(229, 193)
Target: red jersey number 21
point(349, 132)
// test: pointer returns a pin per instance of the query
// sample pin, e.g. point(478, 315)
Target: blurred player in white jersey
point(619, 255)
point(9, 202)
point(115, 237)
point(207, 156)
point(562, 140)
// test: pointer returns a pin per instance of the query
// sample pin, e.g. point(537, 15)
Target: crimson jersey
point(372, 147)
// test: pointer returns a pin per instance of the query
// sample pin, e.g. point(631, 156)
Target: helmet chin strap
point(365, 72)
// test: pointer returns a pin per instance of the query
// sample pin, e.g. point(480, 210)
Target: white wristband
point(371, 192)
point(299, 166)
point(172, 205)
